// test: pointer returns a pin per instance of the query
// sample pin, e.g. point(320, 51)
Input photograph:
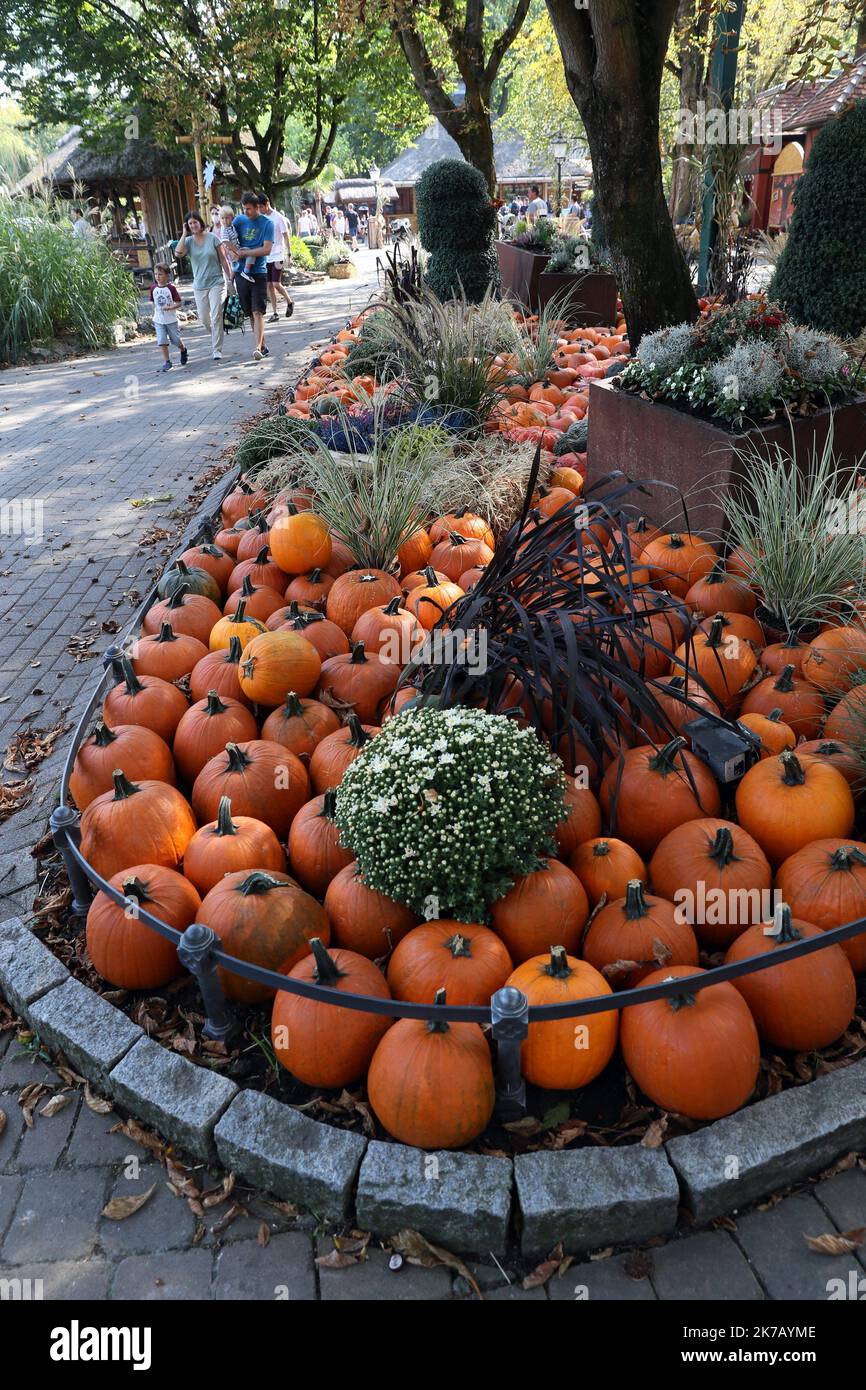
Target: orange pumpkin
point(428, 602)
point(785, 803)
point(143, 821)
point(262, 779)
point(145, 700)
point(300, 725)
point(414, 552)
point(775, 735)
point(265, 919)
point(677, 561)
point(718, 876)
point(227, 845)
point(605, 867)
point(322, 1044)
point(835, 658)
point(458, 553)
point(720, 592)
point(583, 821)
point(390, 632)
point(132, 748)
point(633, 936)
point(465, 524)
point(568, 1053)
point(468, 961)
point(122, 949)
point(799, 704)
point(310, 589)
point(356, 591)
point(544, 908)
point(192, 614)
point(723, 664)
point(652, 791)
point(275, 663)
point(328, 639)
point(847, 721)
point(300, 543)
point(363, 920)
point(167, 654)
point(236, 624)
point(825, 883)
point(333, 755)
point(219, 671)
point(315, 852)
point(259, 602)
point(358, 682)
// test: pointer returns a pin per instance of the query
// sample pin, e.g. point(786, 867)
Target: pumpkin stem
point(845, 855)
point(792, 773)
point(393, 605)
point(601, 849)
point(314, 576)
point(675, 541)
point(459, 945)
point(238, 759)
point(775, 715)
point(240, 613)
point(437, 1025)
point(685, 1000)
point(214, 704)
point(430, 576)
point(208, 535)
point(635, 902)
point(263, 556)
point(102, 735)
point(234, 651)
point(716, 635)
point(291, 507)
point(557, 967)
point(367, 578)
point(123, 788)
point(717, 575)
point(358, 654)
point(359, 735)
point(166, 633)
point(224, 823)
point(663, 761)
point(329, 803)
point(325, 971)
point(783, 928)
point(259, 882)
point(293, 709)
point(134, 888)
point(180, 567)
point(180, 593)
point(785, 683)
point(247, 588)
point(133, 684)
point(454, 538)
point(721, 851)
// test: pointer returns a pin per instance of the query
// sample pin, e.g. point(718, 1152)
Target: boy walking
point(280, 255)
point(256, 236)
point(165, 299)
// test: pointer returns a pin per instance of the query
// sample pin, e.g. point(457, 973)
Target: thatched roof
point(513, 161)
point(364, 191)
point(74, 162)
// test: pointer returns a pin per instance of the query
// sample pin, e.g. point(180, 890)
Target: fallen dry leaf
point(263, 1235)
point(655, 1134)
point(119, 1208)
point(54, 1105)
point(234, 1211)
point(834, 1244)
point(540, 1275)
point(29, 1097)
point(604, 1254)
point(418, 1251)
point(338, 1259)
point(2, 1120)
point(98, 1104)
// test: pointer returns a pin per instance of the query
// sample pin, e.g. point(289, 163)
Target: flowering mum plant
point(745, 360)
point(446, 807)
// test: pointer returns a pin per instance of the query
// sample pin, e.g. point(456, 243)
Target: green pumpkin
point(197, 581)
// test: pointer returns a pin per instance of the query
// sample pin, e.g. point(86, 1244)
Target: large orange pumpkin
point(229, 844)
point(300, 543)
point(804, 1003)
point(363, 920)
point(356, 591)
point(717, 875)
point(566, 1053)
point(124, 950)
point(167, 654)
point(262, 780)
point(300, 725)
point(137, 751)
point(653, 791)
point(322, 1044)
point(315, 852)
point(337, 751)
point(193, 614)
point(825, 883)
point(632, 936)
point(390, 632)
point(206, 728)
point(468, 961)
point(723, 664)
point(544, 908)
point(785, 803)
point(605, 867)
point(800, 704)
point(431, 1084)
point(275, 663)
point(720, 592)
point(835, 659)
point(358, 682)
point(147, 700)
point(139, 822)
point(677, 561)
point(695, 1054)
point(265, 919)
point(219, 671)
point(457, 553)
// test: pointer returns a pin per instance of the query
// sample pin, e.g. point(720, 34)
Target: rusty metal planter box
point(647, 439)
point(520, 270)
point(590, 298)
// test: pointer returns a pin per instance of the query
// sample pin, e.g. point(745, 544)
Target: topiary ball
point(456, 223)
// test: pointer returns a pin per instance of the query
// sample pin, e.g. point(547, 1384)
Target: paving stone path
point(84, 439)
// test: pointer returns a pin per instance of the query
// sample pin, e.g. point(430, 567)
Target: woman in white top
point(209, 265)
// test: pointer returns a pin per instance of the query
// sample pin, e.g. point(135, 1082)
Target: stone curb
point(27, 968)
point(589, 1198)
point(91, 1033)
point(461, 1201)
point(179, 1099)
point(284, 1152)
point(773, 1144)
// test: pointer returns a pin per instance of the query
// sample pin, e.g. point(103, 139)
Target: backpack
point(233, 314)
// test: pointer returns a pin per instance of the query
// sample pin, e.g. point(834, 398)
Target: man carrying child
point(255, 233)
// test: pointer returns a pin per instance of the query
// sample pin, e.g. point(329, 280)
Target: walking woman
point(208, 276)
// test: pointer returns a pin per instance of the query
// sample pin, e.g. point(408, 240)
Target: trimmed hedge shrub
point(821, 276)
point(301, 253)
point(456, 223)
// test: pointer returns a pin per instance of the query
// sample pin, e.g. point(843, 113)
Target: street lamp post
point(375, 171)
point(559, 145)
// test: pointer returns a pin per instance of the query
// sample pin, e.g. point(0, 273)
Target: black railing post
point(64, 830)
point(111, 657)
point(195, 950)
point(509, 1013)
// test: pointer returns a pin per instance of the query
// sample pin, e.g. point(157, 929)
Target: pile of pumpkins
point(219, 808)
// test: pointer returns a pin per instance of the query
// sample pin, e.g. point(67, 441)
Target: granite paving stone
point(280, 1271)
point(774, 1242)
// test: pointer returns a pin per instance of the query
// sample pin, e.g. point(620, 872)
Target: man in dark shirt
point(352, 226)
point(256, 236)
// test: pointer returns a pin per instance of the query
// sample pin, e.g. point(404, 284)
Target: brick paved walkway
point(86, 438)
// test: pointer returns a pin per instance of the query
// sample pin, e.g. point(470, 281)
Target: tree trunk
point(692, 28)
point(474, 138)
point(613, 57)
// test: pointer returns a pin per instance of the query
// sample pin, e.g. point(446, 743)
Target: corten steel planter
point(589, 299)
point(647, 439)
point(519, 271)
